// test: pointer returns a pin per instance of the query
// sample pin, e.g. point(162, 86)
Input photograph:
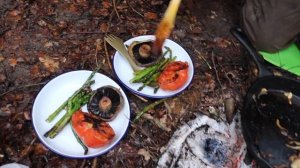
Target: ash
point(204, 142)
point(215, 151)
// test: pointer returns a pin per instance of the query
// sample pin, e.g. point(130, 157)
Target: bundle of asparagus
point(72, 104)
point(149, 75)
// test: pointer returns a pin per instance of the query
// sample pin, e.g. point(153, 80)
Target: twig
point(96, 52)
point(140, 97)
point(107, 55)
point(134, 10)
point(142, 131)
point(105, 43)
point(86, 33)
point(209, 104)
point(27, 150)
point(201, 57)
point(225, 73)
point(145, 109)
point(216, 72)
point(95, 160)
point(115, 8)
point(22, 87)
point(83, 163)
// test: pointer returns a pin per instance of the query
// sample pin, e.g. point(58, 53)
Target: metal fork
point(118, 44)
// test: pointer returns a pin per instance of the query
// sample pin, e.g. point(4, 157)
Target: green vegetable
point(79, 140)
point(72, 104)
point(86, 84)
point(145, 109)
point(149, 75)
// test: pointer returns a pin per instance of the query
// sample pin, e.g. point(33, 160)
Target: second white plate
point(54, 94)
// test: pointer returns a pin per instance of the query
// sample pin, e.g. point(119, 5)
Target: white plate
point(124, 71)
point(54, 94)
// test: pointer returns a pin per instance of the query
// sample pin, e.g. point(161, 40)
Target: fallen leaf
point(14, 15)
point(82, 2)
point(2, 78)
point(106, 4)
point(98, 44)
point(12, 62)
point(18, 97)
point(40, 149)
point(5, 111)
point(35, 71)
point(142, 31)
point(48, 44)
point(42, 23)
point(51, 64)
point(1, 43)
point(103, 27)
point(27, 115)
point(104, 12)
point(222, 43)
point(1, 58)
point(72, 8)
point(144, 153)
point(150, 15)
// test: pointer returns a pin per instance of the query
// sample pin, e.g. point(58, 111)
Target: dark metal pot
point(271, 114)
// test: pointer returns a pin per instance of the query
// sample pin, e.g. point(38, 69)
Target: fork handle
point(129, 59)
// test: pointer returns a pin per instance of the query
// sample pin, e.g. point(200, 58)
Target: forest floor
point(40, 40)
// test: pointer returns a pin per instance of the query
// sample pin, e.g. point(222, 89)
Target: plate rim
point(147, 95)
point(80, 157)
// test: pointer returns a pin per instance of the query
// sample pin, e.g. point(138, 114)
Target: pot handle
point(243, 39)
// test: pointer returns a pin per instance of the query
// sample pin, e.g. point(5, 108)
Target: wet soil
point(40, 40)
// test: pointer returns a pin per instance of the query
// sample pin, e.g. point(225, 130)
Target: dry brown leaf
point(1, 58)
point(72, 8)
point(103, 27)
point(104, 12)
point(14, 15)
point(142, 31)
point(144, 153)
point(35, 71)
point(40, 149)
point(222, 43)
point(150, 15)
point(48, 44)
point(1, 43)
point(5, 111)
point(12, 62)
point(82, 2)
point(106, 4)
point(51, 64)
point(42, 23)
point(27, 115)
point(2, 78)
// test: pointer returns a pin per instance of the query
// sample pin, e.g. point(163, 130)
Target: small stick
point(83, 163)
point(145, 109)
point(95, 160)
point(97, 49)
point(87, 33)
point(107, 55)
point(134, 10)
point(115, 8)
point(105, 43)
point(140, 97)
point(200, 56)
point(216, 72)
point(21, 87)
